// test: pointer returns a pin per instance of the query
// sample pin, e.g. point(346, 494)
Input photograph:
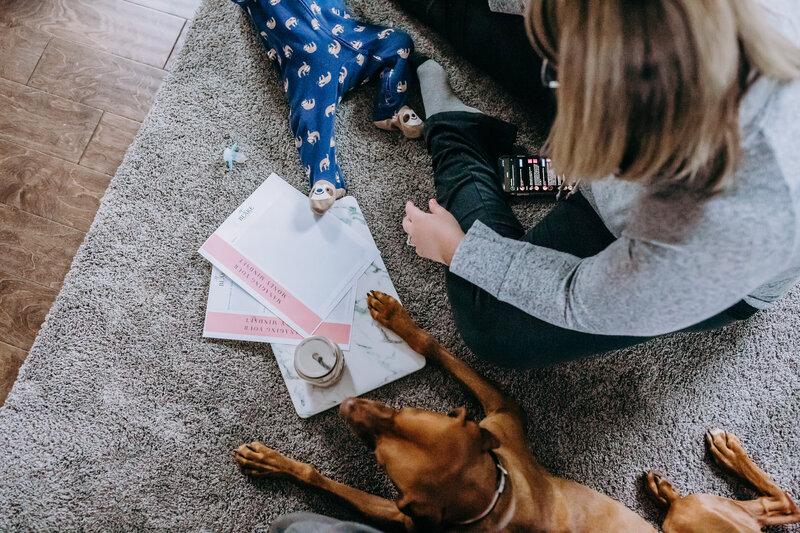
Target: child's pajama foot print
point(405, 120)
point(322, 196)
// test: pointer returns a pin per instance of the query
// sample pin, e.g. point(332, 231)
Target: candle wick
point(318, 358)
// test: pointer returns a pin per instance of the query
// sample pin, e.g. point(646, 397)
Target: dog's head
point(435, 461)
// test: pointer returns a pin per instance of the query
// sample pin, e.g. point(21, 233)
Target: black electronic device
point(532, 175)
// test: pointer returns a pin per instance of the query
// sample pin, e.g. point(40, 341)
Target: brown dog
point(454, 474)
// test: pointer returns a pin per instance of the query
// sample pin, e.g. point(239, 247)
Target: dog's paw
point(725, 448)
point(258, 460)
point(388, 312)
point(661, 489)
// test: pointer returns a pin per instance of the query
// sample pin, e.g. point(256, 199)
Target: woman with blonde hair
point(681, 119)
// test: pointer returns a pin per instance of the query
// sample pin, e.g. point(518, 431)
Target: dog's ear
point(459, 413)
point(488, 440)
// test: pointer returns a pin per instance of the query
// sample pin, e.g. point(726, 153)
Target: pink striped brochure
point(297, 265)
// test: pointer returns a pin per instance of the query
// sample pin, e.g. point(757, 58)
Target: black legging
point(494, 42)
point(464, 148)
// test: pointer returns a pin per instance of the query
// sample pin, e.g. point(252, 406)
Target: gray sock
point(437, 95)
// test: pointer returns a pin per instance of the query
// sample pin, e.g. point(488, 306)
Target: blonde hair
point(650, 90)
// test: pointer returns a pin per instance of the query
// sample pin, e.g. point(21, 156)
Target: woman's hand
point(435, 235)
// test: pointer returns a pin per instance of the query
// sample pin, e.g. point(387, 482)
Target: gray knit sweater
point(676, 260)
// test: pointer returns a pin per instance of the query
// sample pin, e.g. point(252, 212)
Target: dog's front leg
point(258, 460)
point(389, 313)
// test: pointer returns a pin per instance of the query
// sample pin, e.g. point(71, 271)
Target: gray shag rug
point(124, 418)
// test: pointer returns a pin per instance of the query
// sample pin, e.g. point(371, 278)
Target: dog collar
point(502, 474)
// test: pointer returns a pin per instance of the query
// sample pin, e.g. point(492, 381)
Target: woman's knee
point(488, 330)
point(504, 335)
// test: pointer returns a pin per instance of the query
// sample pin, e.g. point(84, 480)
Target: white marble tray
point(376, 355)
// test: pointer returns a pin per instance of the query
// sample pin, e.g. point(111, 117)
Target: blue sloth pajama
point(322, 53)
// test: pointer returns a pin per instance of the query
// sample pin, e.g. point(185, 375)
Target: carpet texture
point(123, 417)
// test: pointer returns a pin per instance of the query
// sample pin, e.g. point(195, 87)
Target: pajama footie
point(322, 53)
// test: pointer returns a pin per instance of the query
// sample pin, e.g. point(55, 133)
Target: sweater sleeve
point(633, 287)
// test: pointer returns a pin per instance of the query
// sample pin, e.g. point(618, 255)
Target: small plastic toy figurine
point(231, 155)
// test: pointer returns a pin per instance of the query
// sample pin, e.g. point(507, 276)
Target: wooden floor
point(77, 77)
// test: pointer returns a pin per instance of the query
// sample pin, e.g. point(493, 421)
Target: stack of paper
point(281, 273)
point(294, 263)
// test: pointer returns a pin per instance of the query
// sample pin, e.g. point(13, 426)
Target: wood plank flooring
point(11, 358)
point(97, 79)
point(116, 26)
point(23, 306)
point(49, 187)
point(47, 123)
point(108, 145)
point(20, 48)
point(178, 45)
point(77, 77)
point(180, 8)
point(34, 248)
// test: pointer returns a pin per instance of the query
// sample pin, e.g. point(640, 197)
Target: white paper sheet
point(294, 263)
point(231, 313)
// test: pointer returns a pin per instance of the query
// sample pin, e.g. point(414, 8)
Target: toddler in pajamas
point(322, 53)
